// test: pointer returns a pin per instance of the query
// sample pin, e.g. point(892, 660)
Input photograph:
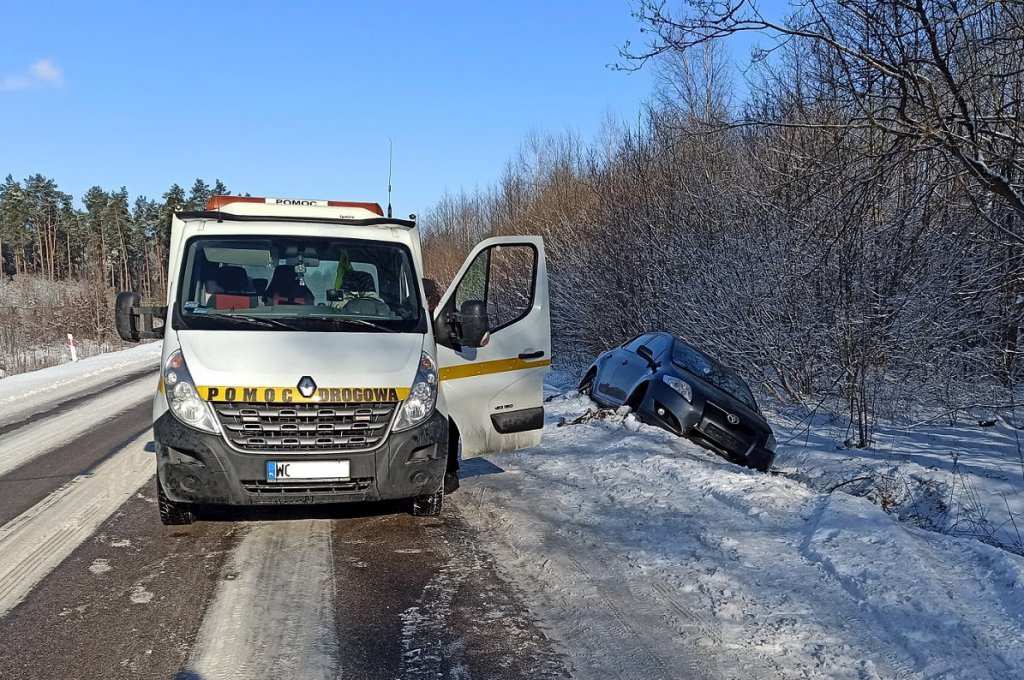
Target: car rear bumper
point(200, 467)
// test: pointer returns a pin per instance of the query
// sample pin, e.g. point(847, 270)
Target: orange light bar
point(218, 202)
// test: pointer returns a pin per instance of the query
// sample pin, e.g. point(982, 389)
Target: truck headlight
point(680, 386)
point(418, 406)
point(182, 396)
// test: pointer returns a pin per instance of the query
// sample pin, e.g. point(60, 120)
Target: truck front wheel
point(428, 506)
point(171, 513)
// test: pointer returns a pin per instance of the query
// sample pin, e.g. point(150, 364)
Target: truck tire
point(428, 506)
point(171, 513)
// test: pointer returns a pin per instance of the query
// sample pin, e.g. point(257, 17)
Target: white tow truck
point(301, 363)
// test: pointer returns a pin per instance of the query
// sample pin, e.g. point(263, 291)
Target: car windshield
point(710, 371)
point(298, 283)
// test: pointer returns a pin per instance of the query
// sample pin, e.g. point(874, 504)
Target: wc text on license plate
point(286, 471)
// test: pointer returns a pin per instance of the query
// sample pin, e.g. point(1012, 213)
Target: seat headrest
point(357, 282)
point(283, 282)
point(232, 278)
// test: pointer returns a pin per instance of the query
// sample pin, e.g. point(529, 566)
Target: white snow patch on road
point(423, 626)
point(27, 393)
point(273, 613)
point(100, 566)
point(38, 437)
point(140, 595)
point(650, 557)
point(40, 538)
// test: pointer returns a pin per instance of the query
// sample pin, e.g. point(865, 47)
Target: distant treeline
point(114, 243)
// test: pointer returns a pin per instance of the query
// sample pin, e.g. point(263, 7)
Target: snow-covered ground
point(966, 480)
point(651, 557)
point(27, 393)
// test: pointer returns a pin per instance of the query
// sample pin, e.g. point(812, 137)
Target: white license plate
point(286, 471)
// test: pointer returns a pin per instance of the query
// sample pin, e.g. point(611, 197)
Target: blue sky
point(300, 99)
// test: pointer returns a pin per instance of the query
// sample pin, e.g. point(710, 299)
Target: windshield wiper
point(361, 322)
point(245, 318)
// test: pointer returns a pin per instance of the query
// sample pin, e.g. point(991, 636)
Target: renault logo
point(733, 420)
point(306, 386)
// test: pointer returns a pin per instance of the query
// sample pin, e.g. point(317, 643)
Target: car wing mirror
point(470, 326)
point(647, 354)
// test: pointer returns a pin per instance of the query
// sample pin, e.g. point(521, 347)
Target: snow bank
point(29, 392)
point(965, 480)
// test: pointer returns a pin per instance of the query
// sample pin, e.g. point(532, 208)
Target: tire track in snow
point(33, 481)
point(35, 542)
point(24, 412)
point(273, 613)
point(33, 440)
point(596, 612)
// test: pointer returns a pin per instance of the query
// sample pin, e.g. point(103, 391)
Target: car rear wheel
point(171, 513)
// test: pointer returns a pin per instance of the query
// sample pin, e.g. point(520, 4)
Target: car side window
point(637, 343)
point(658, 344)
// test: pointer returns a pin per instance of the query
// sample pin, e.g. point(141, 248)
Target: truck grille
point(299, 428)
point(260, 487)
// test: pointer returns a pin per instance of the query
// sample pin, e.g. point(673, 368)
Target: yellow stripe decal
point(488, 367)
point(160, 385)
point(291, 395)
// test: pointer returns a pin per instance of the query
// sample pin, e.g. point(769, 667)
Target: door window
point(504, 278)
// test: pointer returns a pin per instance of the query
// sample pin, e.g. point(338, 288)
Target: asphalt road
point(362, 591)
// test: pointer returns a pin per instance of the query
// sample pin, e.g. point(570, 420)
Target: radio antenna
point(390, 148)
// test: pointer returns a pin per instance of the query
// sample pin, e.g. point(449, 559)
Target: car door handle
point(526, 356)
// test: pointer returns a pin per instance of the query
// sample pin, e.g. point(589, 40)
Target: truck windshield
point(298, 283)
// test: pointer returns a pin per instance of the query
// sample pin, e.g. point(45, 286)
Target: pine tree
point(117, 222)
point(146, 230)
point(47, 212)
point(199, 195)
point(95, 200)
point(13, 236)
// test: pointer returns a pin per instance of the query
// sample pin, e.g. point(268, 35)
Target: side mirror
point(470, 326)
point(647, 354)
point(128, 313)
point(123, 317)
point(333, 295)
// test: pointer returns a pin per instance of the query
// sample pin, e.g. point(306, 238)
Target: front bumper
point(199, 467)
point(666, 408)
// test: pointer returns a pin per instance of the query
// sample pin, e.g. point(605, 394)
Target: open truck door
point(493, 334)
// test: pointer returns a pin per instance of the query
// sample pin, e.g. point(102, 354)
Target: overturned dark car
point(671, 384)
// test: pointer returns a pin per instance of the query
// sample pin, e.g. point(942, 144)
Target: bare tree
point(940, 76)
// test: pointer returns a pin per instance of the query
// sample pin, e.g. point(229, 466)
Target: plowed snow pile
point(650, 557)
